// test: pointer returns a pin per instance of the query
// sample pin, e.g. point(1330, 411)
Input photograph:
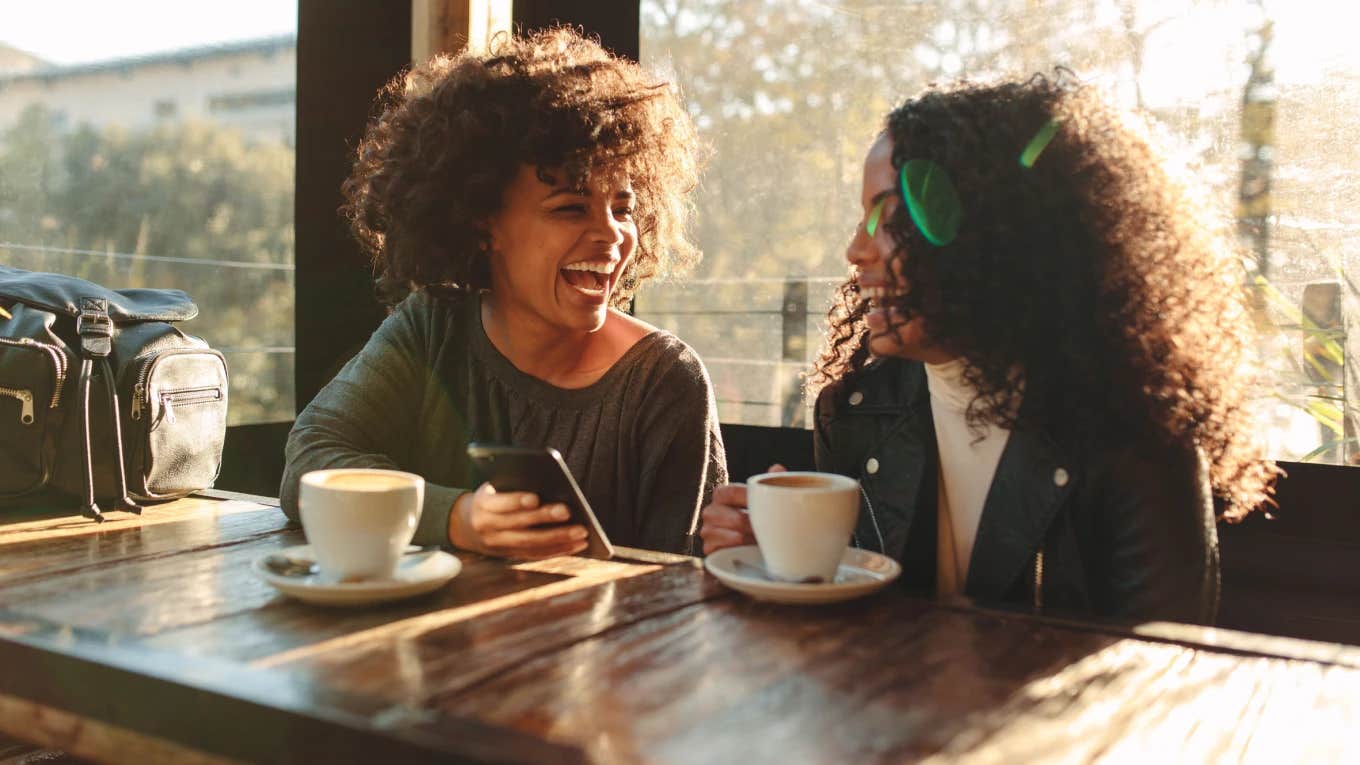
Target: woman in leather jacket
point(1037, 369)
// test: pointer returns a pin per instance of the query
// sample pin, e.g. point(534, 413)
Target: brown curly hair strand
point(1095, 272)
point(451, 133)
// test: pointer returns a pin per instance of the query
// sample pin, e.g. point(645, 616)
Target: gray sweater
point(643, 441)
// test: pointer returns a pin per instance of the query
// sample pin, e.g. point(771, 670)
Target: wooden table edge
point(1194, 636)
point(134, 693)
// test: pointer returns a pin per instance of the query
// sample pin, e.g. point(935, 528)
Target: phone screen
point(541, 471)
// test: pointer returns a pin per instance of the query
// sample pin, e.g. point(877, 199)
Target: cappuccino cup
point(802, 522)
point(359, 521)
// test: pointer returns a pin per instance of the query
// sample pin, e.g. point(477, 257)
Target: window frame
point(252, 453)
point(345, 53)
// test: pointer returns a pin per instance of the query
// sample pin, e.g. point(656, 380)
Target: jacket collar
point(1031, 481)
point(887, 440)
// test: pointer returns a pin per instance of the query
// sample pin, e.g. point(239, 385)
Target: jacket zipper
point(186, 396)
point(882, 547)
point(1039, 578)
point(25, 400)
point(58, 363)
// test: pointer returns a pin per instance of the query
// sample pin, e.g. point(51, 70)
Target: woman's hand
point(723, 522)
point(513, 525)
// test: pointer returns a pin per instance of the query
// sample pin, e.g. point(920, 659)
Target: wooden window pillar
point(448, 26)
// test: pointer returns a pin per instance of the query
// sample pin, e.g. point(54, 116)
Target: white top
point(967, 466)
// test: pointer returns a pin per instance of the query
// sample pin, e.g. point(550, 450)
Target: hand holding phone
point(513, 525)
point(552, 516)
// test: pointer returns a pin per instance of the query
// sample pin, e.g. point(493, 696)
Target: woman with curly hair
point(1036, 370)
point(521, 197)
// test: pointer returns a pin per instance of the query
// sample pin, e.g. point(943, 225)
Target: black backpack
point(101, 397)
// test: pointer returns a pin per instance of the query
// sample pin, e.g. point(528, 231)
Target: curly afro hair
point(452, 133)
point(1113, 288)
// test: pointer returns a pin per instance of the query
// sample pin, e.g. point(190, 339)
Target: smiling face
point(878, 275)
point(558, 252)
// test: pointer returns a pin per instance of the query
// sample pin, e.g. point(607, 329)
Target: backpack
point(102, 397)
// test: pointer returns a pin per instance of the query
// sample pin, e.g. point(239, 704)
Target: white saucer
point(861, 572)
point(416, 575)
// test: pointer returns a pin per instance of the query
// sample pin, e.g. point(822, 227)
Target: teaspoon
point(283, 565)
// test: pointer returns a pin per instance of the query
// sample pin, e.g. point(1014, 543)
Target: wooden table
point(150, 640)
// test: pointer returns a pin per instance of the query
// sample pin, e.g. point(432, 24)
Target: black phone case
point(543, 472)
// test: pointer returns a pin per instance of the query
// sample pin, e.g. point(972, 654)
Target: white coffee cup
point(359, 521)
point(802, 521)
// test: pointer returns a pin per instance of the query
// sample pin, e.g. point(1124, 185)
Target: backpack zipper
point(138, 393)
point(58, 362)
point(25, 400)
point(141, 398)
point(139, 390)
point(186, 396)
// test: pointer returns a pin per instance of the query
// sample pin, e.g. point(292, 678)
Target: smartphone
point(541, 471)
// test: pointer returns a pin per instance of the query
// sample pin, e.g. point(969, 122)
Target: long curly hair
point(1114, 290)
point(450, 134)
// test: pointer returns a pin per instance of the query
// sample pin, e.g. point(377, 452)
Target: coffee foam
point(365, 482)
point(797, 482)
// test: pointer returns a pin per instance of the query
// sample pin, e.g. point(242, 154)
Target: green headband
point(1038, 143)
point(932, 200)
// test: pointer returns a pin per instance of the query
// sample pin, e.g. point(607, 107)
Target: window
point(1260, 98)
point(171, 165)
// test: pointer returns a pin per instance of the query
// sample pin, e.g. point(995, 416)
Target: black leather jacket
point(1124, 532)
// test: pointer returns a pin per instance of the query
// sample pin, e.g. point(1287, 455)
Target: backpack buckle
point(95, 328)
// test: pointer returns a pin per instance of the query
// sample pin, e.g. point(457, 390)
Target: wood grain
point(282, 628)
point(48, 526)
point(642, 659)
point(419, 660)
point(54, 546)
point(206, 705)
point(74, 735)
point(1175, 705)
point(141, 594)
point(16, 751)
point(897, 680)
point(818, 686)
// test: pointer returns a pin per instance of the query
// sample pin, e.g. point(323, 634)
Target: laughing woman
point(522, 197)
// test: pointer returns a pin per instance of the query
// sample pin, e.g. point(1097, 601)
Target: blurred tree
point(156, 202)
point(26, 168)
point(790, 94)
